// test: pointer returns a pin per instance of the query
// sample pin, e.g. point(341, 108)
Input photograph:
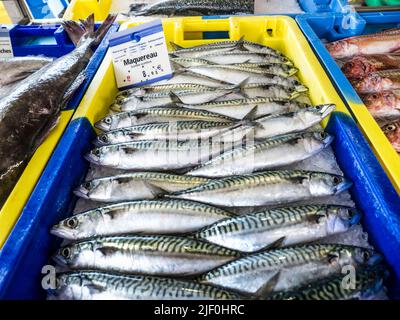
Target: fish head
point(392, 132)
point(317, 140)
point(97, 189)
point(379, 101)
point(357, 67)
point(371, 279)
point(299, 87)
point(105, 124)
point(323, 184)
point(71, 286)
point(364, 256)
point(68, 255)
point(342, 48)
point(103, 139)
point(103, 156)
point(314, 115)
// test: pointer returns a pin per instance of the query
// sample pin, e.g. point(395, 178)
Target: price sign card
point(6, 50)
point(140, 55)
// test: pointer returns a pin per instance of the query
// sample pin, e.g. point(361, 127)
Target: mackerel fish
point(180, 130)
point(258, 106)
point(266, 188)
point(274, 152)
point(161, 114)
point(95, 285)
point(288, 268)
point(297, 121)
point(146, 216)
point(135, 186)
point(150, 255)
point(287, 226)
point(162, 155)
point(369, 281)
point(224, 46)
point(243, 57)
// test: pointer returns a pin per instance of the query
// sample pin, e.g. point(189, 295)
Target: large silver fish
point(32, 110)
point(135, 186)
point(152, 255)
point(288, 268)
point(95, 285)
point(288, 226)
point(266, 188)
point(146, 216)
point(296, 121)
point(274, 152)
point(162, 114)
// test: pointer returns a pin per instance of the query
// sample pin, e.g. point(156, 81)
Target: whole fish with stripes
point(288, 268)
point(152, 255)
point(144, 217)
point(280, 227)
point(266, 188)
point(135, 186)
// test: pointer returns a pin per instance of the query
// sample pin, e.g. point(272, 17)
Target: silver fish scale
point(181, 92)
point(162, 177)
point(273, 258)
point(167, 244)
point(149, 286)
point(238, 102)
point(267, 218)
point(262, 177)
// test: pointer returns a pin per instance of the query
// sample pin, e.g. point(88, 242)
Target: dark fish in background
point(192, 7)
point(32, 110)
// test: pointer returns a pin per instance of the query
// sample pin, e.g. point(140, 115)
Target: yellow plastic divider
point(12, 209)
point(4, 17)
point(279, 32)
point(80, 9)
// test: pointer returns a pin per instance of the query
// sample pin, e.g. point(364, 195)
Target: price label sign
point(6, 50)
point(140, 55)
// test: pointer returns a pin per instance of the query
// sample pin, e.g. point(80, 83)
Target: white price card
point(6, 50)
point(140, 55)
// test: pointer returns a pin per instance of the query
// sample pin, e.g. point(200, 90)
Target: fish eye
point(351, 64)
point(374, 96)
point(318, 107)
point(390, 127)
point(97, 152)
point(107, 120)
point(366, 255)
point(66, 253)
point(87, 185)
point(337, 180)
point(72, 223)
point(323, 134)
point(104, 139)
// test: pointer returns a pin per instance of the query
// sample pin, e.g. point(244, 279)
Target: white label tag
point(140, 55)
point(6, 50)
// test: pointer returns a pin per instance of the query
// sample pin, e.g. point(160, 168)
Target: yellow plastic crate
point(278, 32)
point(4, 18)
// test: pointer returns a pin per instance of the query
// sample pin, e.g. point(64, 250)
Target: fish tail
point(78, 32)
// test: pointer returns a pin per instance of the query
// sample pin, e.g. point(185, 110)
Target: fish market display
point(218, 183)
point(288, 268)
point(372, 64)
point(32, 109)
point(192, 8)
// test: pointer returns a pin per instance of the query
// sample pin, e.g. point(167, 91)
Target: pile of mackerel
point(218, 183)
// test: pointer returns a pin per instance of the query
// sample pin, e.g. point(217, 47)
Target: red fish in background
point(392, 132)
point(378, 81)
point(383, 105)
point(360, 66)
point(383, 42)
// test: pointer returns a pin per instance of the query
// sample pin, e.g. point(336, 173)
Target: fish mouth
point(328, 140)
point(89, 157)
point(101, 125)
point(326, 110)
point(292, 71)
point(301, 88)
point(355, 217)
point(60, 232)
point(375, 259)
point(343, 186)
point(81, 192)
point(116, 107)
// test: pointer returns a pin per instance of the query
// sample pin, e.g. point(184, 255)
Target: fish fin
point(175, 99)
point(177, 66)
point(274, 245)
point(175, 46)
point(136, 6)
point(251, 115)
point(268, 287)
point(155, 190)
point(103, 29)
point(107, 250)
point(48, 127)
point(95, 288)
point(80, 79)
point(241, 87)
point(240, 44)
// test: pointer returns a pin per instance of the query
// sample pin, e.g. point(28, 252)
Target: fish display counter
point(324, 177)
point(375, 106)
point(78, 9)
point(47, 43)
